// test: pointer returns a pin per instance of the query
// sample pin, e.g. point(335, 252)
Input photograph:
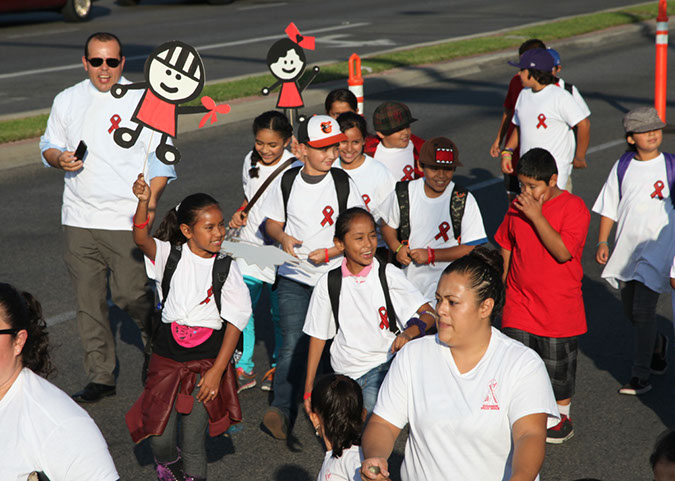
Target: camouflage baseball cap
point(439, 152)
point(390, 117)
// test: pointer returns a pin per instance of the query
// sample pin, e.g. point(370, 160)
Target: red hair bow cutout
point(294, 34)
point(213, 109)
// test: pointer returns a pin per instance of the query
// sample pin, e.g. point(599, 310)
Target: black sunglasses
point(9, 331)
point(97, 62)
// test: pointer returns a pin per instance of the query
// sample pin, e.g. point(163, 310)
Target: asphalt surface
point(41, 54)
point(614, 434)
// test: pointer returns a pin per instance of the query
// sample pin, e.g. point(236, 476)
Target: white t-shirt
point(251, 231)
point(375, 183)
point(400, 162)
point(44, 430)
point(190, 301)
point(364, 340)
point(577, 97)
point(99, 195)
point(431, 226)
point(345, 468)
point(546, 119)
point(312, 212)
point(644, 242)
point(460, 424)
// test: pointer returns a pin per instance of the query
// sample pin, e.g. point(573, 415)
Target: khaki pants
point(95, 259)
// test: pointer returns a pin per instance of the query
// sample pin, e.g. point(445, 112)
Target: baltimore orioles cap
point(320, 131)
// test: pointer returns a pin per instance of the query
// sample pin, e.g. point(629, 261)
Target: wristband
point(327, 258)
point(404, 243)
point(241, 208)
point(416, 321)
point(431, 254)
point(141, 226)
point(602, 242)
point(431, 313)
point(506, 153)
point(306, 396)
point(508, 149)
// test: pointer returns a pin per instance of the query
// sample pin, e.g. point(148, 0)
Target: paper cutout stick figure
point(174, 74)
point(286, 60)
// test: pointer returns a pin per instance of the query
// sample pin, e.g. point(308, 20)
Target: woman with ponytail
point(42, 428)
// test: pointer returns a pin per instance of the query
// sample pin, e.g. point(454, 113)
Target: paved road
point(614, 434)
point(234, 39)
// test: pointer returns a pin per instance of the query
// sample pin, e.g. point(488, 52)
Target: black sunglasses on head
point(9, 331)
point(97, 62)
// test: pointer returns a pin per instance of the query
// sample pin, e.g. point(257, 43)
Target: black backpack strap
point(341, 179)
point(169, 269)
point(286, 184)
point(404, 208)
point(221, 269)
point(569, 87)
point(457, 206)
point(334, 287)
point(391, 313)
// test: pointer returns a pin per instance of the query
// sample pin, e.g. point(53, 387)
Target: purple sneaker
point(170, 471)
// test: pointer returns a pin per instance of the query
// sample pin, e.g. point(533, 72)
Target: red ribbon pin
point(294, 34)
point(114, 123)
point(658, 188)
point(213, 110)
point(366, 200)
point(384, 318)
point(443, 228)
point(327, 216)
point(542, 121)
point(408, 171)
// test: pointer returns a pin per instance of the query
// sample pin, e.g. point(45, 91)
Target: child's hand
point(579, 163)
point(507, 162)
point(419, 256)
point(528, 205)
point(141, 189)
point(401, 340)
point(374, 469)
point(238, 220)
point(288, 244)
point(317, 257)
point(209, 385)
point(494, 149)
point(602, 253)
point(295, 147)
point(403, 256)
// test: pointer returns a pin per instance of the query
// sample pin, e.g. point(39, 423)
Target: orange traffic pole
point(661, 71)
point(355, 80)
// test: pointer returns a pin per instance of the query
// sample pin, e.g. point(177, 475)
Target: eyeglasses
point(13, 332)
point(98, 61)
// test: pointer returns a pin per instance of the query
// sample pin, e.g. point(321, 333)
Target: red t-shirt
point(515, 86)
point(543, 297)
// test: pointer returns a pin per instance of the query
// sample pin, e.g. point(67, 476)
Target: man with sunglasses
point(98, 205)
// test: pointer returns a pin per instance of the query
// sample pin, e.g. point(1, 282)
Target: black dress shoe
point(93, 392)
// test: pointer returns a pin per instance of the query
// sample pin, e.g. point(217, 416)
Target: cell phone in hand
point(81, 150)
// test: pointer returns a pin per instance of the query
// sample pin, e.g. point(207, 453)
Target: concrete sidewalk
point(26, 152)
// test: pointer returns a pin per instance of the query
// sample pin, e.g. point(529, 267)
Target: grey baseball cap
point(642, 119)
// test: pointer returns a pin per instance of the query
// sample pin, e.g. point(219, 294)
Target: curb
point(26, 152)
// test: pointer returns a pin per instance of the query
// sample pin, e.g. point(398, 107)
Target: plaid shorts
point(559, 355)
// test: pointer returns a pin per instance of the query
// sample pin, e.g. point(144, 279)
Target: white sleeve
point(607, 203)
point(580, 101)
point(235, 299)
point(273, 207)
point(473, 230)
point(76, 451)
point(55, 136)
point(569, 108)
point(515, 119)
point(155, 270)
point(385, 187)
point(245, 176)
point(532, 391)
point(392, 400)
point(319, 321)
point(405, 297)
point(354, 199)
point(672, 270)
point(390, 211)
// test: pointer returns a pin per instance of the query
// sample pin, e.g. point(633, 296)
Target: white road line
point(264, 5)
point(26, 73)
point(41, 33)
point(497, 180)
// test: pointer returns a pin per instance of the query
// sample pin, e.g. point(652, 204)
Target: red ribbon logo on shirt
point(443, 231)
point(658, 188)
point(408, 173)
point(384, 318)
point(114, 123)
point(366, 200)
point(209, 293)
point(327, 216)
point(542, 121)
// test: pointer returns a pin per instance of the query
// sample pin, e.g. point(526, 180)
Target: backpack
point(670, 171)
point(335, 285)
point(457, 206)
point(340, 178)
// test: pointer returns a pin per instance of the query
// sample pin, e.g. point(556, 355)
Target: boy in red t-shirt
point(506, 126)
point(542, 238)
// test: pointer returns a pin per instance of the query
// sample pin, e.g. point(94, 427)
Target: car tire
point(77, 10)
point(128, 3)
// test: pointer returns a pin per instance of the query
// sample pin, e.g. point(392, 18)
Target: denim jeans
point(639, 304)
point(289, 378)
point(255, 288)
point(370, 384)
